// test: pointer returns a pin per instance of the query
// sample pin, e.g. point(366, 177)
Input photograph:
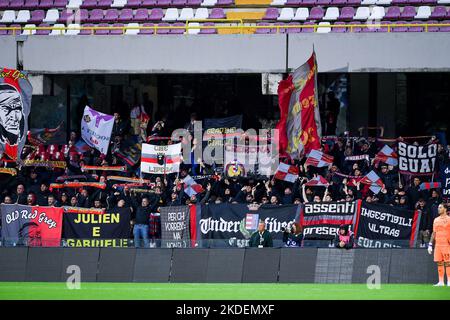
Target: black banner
point(321, 220)
point(445, 181)
point(175, 227)
point(414, 159)
point(384, 226)
point(110, 229)
point(227, 127)
point(236, 222)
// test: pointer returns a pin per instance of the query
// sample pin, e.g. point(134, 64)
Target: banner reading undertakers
point(228, 222)
point(384, 226)
point(414, 159)
point(321, 220)
point(175, 227)
point(111, 229)
point(31, 225)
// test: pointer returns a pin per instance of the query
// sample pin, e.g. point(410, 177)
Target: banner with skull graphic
point(15, 105)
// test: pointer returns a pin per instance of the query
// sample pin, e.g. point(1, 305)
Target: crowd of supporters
point(32, 185)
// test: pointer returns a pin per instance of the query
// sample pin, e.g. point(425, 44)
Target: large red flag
point(299, 124)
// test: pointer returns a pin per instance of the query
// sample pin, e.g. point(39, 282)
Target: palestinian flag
point(31, 225)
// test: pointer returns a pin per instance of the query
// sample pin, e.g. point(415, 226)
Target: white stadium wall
point(383, 52)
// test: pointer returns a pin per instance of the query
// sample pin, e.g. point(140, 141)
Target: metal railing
point(231, 24)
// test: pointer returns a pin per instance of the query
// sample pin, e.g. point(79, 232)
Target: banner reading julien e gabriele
point(110, 229)
point(31, 225)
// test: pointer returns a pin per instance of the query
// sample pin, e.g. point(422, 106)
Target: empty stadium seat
point(43, 32)
point(192, 28)
point(423, 12)
point(439, 12)
point(294, 28)
point(112, 15)
point(73, 29)
point(56, 32)
point(142, 15)
point(339, 29)
point(59, 3)
point(149, 30)
point(201, 14)
point(88, 4)
point(383, 2)
point(278, 2)
point(52, 16)
point(181, 28)
point(16, 4)
point(30, 4)
point(347, 13)
point(392, 13)
point(261, 30)
point(171, 15)
point(396, 28)
point(95, 16)
point(445, 29)
point(362, 13)
point(119, 3)
point(186, 14)
point(443, 1)
point(409, 12)
point(286, 14)
point(217, 13)
point(37, 16)
point(355, 29)
point(416, 28)
point(377, 13)
point(271, 14)
point(28, 32)
point(301, 14)
point(324, 27)
point(307, 29)
point(74, 4)
point(368, 2)
point(134, 30)
point(118, 31)
point(316, 13)
point(133, 3)
point(22, 16)
point(46, 4)
point(209, 29)
point(156, 14)
point(209, 3)
point(332, 13)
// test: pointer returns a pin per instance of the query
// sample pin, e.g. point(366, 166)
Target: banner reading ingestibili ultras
point(227, 221)
point(31, 225)
point(321, 220)
point(110, 229)
point(384, 226)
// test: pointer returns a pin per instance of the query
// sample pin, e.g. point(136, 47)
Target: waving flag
point(96, 128)
point(161, 159)
point(286, 172)
point(374, 181)
point(299, 124)
point(15, 105)
point(191, 187)
point(318, 181)
point(387, 155)
point(318, 159)
point(251, 221)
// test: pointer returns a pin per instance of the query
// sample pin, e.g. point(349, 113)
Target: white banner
point(96, 128)
point(160, 159)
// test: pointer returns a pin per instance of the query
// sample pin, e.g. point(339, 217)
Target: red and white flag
point(319, 159)
point(318, 181)
point(387, 155)
point(374, 181)
point(191, 187)
point(286, 172)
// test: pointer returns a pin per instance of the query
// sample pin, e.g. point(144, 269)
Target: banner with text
point(445, 181)
point(175, 227)
point(31, 225)
point(111, 229)
point(417, 160)
point(384, 226)
point(229, 221)
point(321, 220)
point(160, 159)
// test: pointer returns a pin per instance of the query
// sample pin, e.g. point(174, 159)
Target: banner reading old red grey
point(31, 225)
point(15, 105)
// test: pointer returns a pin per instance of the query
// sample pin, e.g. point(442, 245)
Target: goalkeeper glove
point(430, 248)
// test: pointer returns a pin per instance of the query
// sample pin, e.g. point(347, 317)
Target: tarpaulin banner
point(31, 225)
point(228, 221)
point(110, 229)
point(15, 106)
point(175, 227)
point(445, 181)
point(161, 159)
point(219, 131)
point(96, 128)
point(299, 125)
point(385, 226)
point(47, 136)
point(321, 220)
point(417, 160)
